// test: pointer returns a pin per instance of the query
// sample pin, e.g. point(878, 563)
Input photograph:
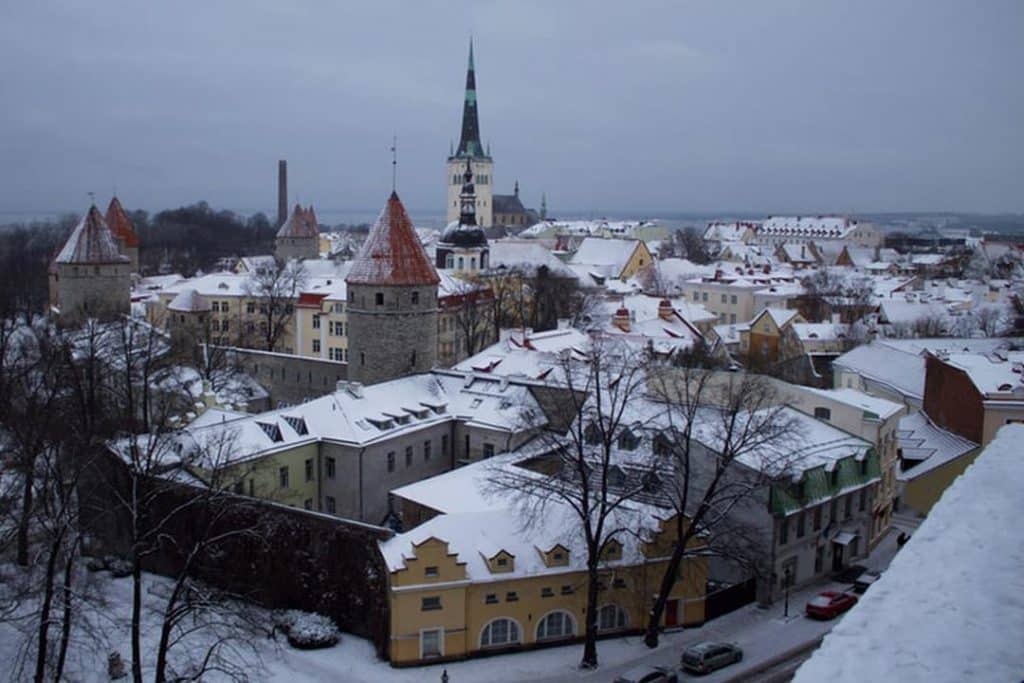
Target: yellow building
point(468, 576)
point(467, 583)
point(618, 259)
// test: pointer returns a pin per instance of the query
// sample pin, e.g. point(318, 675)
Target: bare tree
point(473, 325)
point(828, 291)
point(594, 414)
point(712, 421)
point(276, 288)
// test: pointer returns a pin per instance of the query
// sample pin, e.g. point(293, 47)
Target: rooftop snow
point(923, 441)
point(823, 227)
point(949, 608)
point(91, 242)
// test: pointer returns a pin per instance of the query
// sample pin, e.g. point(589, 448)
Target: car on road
point(865, 580)
point(649, 674)
point(830, 604)
point(706, 657)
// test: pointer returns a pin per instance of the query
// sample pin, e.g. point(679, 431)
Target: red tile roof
point(91, 242)
point(302, 223)
point(392, 253)
point(120, 224)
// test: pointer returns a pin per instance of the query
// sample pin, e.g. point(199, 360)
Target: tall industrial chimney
point(282, 192)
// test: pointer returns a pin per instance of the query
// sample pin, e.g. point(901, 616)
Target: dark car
point(649, 674)
point(865, 580)
point(830, 604)
point(704, 658)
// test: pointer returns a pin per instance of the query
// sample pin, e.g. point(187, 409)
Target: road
point(773, 644)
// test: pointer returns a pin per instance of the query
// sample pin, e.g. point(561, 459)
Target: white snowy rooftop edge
point(949, 608)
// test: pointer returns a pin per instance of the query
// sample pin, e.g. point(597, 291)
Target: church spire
point(469, 142)
point(467, 199)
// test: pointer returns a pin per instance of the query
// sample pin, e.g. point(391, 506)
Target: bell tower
point(472, 150)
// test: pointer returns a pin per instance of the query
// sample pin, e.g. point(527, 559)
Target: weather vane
point(92, 197)
point(394, 162)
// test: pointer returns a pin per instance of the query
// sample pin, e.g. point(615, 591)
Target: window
point(864, 466)
point(500, 632)
point(308, 504)
point(512, 596)
point(696, 296)
point(250, 308)
point(282, 477)
point(430, 604)
point(732, 299)
point(488, 450)
point(547, 592)
point(239, 487)
point(833, 510)
point(819, 558)
point(558, 624)
point(628, 441)
point(330, 504)
point(415, 298)
point(592, 434)
point(823, 413)
point(784, 532)
point(863, 503)
point(704, 296)
point(431, 571)
point(724, 298)
point(848, 506)
point(309, 469)
point(491, 599)
point(316, 322)
point(567, 590)
point(362, 358)
point(408, 456)
point(801, 524)
point(391, 461)
point(426, 451)
point(329, 467)
point(817, 518)
point(430, 643)
point(610, 618)
point(502, 562)
point(444, 444)
point(215, 307)
point(316, 346)
point(619, 583)
point(378, 298)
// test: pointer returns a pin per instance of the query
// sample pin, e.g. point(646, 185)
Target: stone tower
point(392, 302)
point(471, 149)
point(90, 277)
point(463, 245)
point(299, 236)
point(124, 232)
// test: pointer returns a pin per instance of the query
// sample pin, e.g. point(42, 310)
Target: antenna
point(92, 197)
point(394, 162)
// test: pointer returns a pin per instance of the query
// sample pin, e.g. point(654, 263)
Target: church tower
point(392, 302)
point(463, 245)
point(470, 148)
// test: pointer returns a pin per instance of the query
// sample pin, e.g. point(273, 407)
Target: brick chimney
point(665, 310)
point(282, 192)
point(621, 319)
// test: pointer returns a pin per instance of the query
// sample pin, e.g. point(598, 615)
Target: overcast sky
point(687, 106)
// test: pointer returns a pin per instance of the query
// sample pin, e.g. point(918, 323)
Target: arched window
point(461, 263)
point(559, 624)
point(500, 632)
point(449, 261)
point(611, 618)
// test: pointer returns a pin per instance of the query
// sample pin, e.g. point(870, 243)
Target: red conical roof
point(120, 224)
point(91, 242)
point(392, 253)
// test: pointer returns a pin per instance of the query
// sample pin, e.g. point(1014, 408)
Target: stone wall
point(102, 291)
point(393, 338)
point(290, 379)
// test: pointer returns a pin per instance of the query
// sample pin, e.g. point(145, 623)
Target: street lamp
point(789, 574)
point(444, 676)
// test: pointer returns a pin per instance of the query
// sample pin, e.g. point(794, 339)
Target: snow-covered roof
point(613, 254)
point(392, 253)
point(798, 253)
point(527, 256)
point(188, 301)
point(478, 521)
point(948, 608)
point(924, 442)
point(91, 242)
point(898, 311)
point(821, 227)
point(901, 370)
point(780, 316)
point(729, 232)
point(821, 331)
point(999, 372)
point(858, 399)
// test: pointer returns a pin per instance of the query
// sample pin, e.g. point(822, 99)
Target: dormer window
point(616, 477)
point(592, 434)
point(628, 441)
point(661, 444)
point(612, 550)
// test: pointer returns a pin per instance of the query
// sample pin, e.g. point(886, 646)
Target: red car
point(830, 604)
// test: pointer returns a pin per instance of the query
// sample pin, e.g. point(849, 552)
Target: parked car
point(706, 657)
point(865, 580)
point(830, 604)
point(649, 674)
